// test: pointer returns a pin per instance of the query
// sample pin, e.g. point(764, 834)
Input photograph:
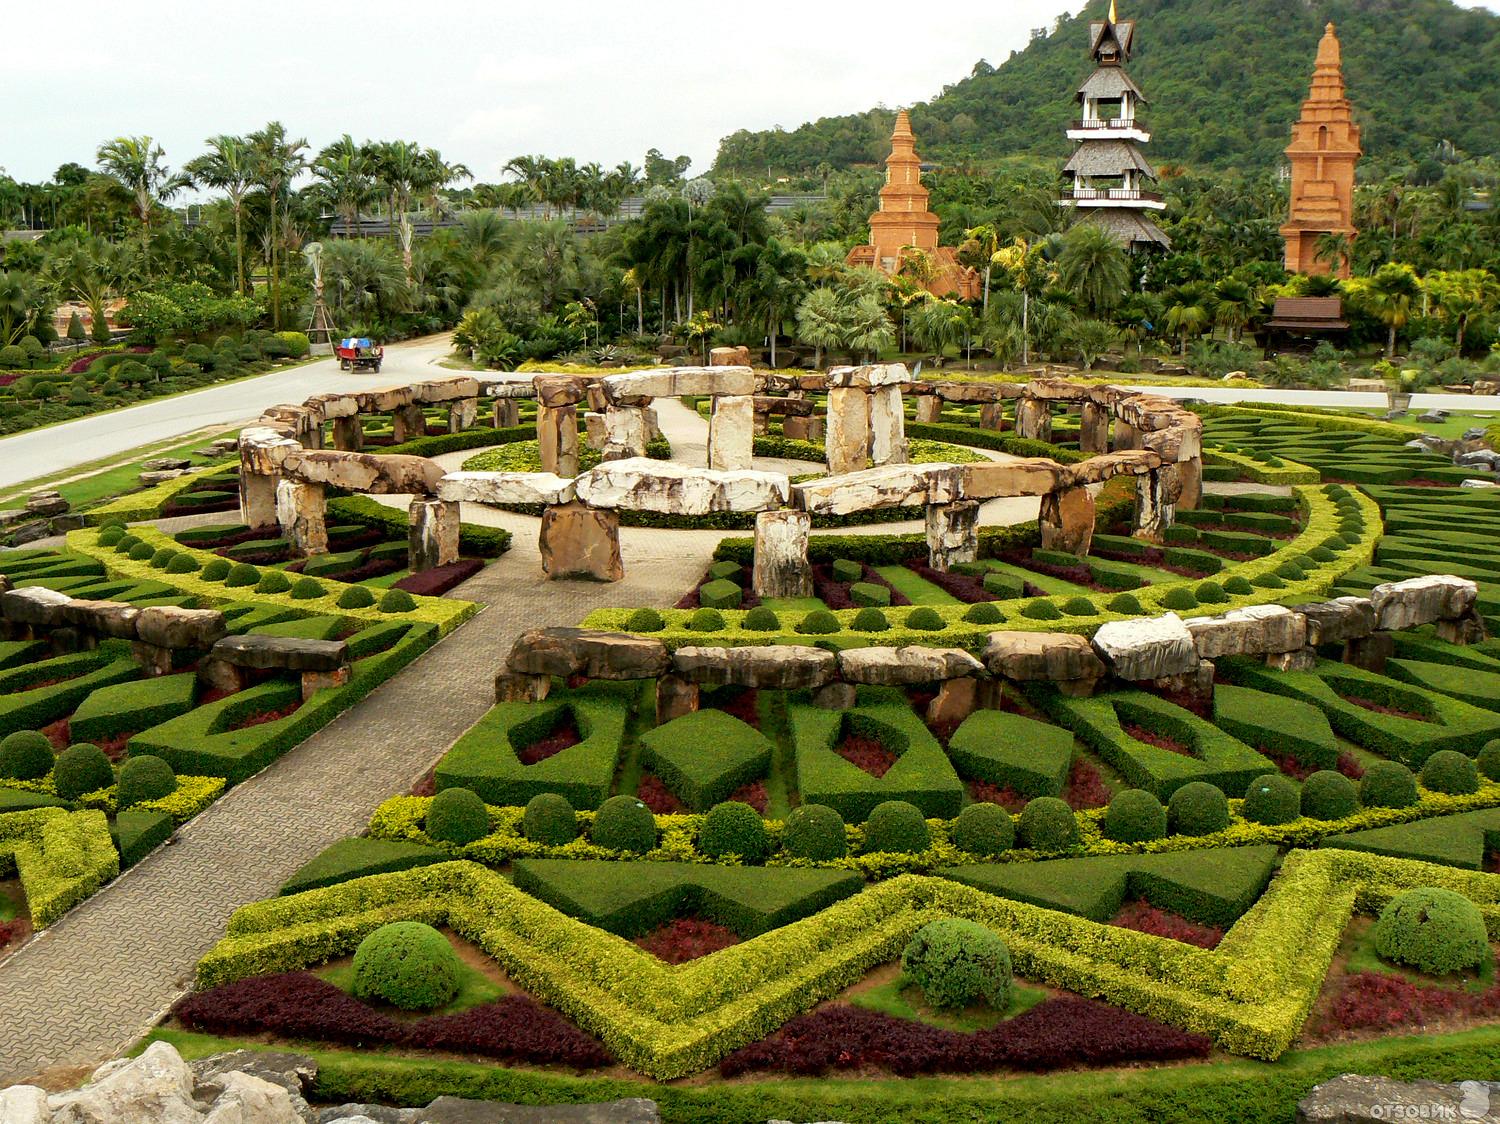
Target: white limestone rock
point(674, 382)
point(1147, 648)
point(894, 485)
point(641, 484)
point(1419, 601)
point(899, 667)
point(24, 1104)
point(1258, 630)
point(157, 1086)
point(506, 488)
point(251, 1100)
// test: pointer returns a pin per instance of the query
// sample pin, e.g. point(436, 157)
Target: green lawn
point(1452, 429)
point(1359, 947)
point(113, 481)
point(917, 590)
point(792, 605)
point(902, 999)
point(474, 987)
point(1049, 585)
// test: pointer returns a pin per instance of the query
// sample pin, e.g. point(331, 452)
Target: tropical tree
point(981, 244)
point(1091, 339)
point(1336, 248)
point(229, 166)
point(1234, 304)
point(275, 159)
point(342, 169)
point(1094, 267)
point(1390, 295)
point(1189, 312)
point(17, 300)
point(139, 164)
point(1461, 295)
point(820, 322)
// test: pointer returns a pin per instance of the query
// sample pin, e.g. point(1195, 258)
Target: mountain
point(1224, 79)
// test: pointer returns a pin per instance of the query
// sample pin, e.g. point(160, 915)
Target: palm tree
point(1091, 339)
point(17, 299)
point(1462, 295)
point(531, 172)
point(401, 167)
point(1095, 267)
point(138, 163)
point(1336, 248)
point(1234, 303)
point(228, 165)
point(343, 170)
point(819, 322)
point(982, 243)
point(1188, 314)
point(1391, 294)
point(276, 160)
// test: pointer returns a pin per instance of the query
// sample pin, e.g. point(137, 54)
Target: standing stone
point(257, 499)
point(581, 542)
point(1153, 504)
point(595, 432)
point(803, 429)
point(956, 700)
point(1126, 436)
point(653, 424)
point(781, 566)
point(507, 413)
point(952, 533)
point(675, 698)
point(731, 431)
point(1189, 484)
point(348, 434)
point(929, 409)
point(848, 430)
point(557, 434)
point(624, 433)
point(407, 422)
point(1067, 520)
point(432, 533)
point(1093, 433)
point(887, 426)
point(301, 512)
point(1034, 419)
point(992, 416)
point(461, 414)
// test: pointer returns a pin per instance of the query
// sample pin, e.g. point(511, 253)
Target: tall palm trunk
point(640, 312)
point(275, 283)
point(1390, 343)
point(239, 245)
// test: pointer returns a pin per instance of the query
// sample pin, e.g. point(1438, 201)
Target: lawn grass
point(917, 590)
point(902, 999)
point(474, 987)
point(1049, 585)
point(114, 476)
point(793, 605)
point(1452, 429)
point(11, 901)
point(1359, 947)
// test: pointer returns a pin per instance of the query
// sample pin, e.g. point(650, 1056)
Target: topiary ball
point(162, 557)
point(273, 581)
point(924, 619)
point(1127, 604)
point(1041, 610)
point(706, 620)
point(1272, 799)
point(984, 612)
point(143, 778)
point(870, 620)
point(1135, 816)
point(306, 589)
point(984, 829)
point(1238, 586)
point(1451, 772)
point(1488, 761)
point(408, 965)
point(126, 543)
point(815, 831)
point(1210, 593)
point(957, 962)
point(1079, 607)
point(182, 564)
point(761, 619)
point(397, 601)
point(457, 816)
point(549, 819)
point(111, 534)
point(1327, 795)
point(819, 622)
point(25, 755)
point(623, 823)
point(1388, 784)
point(241, 574)
point(81, 769)
point(1048, 825)
point(1433, 930)
point(645, 620)
point(356, 597)
point(1179, 598)
point(732, 828)
point(1198, 808)
point(898, 827)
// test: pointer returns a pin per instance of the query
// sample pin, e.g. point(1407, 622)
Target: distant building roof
point(1133, 228)
point(1108, 158)
point(1308, 314)
point(1108, 83)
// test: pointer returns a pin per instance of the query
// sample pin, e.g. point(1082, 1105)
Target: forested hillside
point(1224, 78)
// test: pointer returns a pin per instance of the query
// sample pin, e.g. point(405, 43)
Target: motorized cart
point(359, 354)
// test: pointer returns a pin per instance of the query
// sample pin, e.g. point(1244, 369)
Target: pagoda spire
point(1324, 151)
point(1114, 16)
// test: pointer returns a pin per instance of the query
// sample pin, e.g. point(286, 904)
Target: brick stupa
point(904, 223)
point(1324, 150)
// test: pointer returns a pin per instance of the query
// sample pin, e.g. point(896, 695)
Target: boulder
point(555, 391)
point(775, 667)
point(371, 473)
point(509, 390)
point(103, 618)
point(333, 407)
point(262, 450)
point(244, 1099)
point(1042, 656)
point(577, 541)
point(46, 503)
point(969, 392)
point(900, 667)
point(1066, 519)
point(1056, 390)
point(1258, 630)
point(285, 653)
point(729, 356)
point(781, 566)
point(445, 390)
point(869, 377)
point(155, 1087)
point(630, 387)
point(151, 479)
point(1147, 647)
point(506, 488)
point(433, 534)
point(168, 626)
point(1020, 476)
point(1338, 621)
point(454, 1110)
point(641, 484)
point(1425, 600)
point(24, 1104)
point(1352, 1099)
point(166, 464)
point(894, 485)
point(592, 654)
point(952, 531)
point(34, 606)
point(369, 1114)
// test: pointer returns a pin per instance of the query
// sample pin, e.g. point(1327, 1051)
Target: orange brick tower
point(904, 223)
point(1324, 150)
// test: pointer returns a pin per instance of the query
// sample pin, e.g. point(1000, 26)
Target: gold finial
point(1114, 16)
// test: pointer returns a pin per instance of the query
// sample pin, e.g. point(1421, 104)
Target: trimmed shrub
point(1433, 930)
point(182, 564)
point(870, 620)
point(761, 619)
point(898, 827)
point(273, 581)
point(1135, 816)
point(984, 829)
point(1451, 772)
point(1079, 607)
point(397, 601)
point(819, 622)
point(957, 962)
point(306, 589)
point(706, 620)
point(25, 755)
point(550, 819)
point(732, 828)
point(111, 534)
point(925, 619)
point(144, 778)
point(1126, 603)
point(1388, 784)
point(1210, 593)
point(847, 571)
point(815, 831)
point(1329, 795)
point(458, 816)
point(984, 612)
point(81, 769)
point(623, 823)
point(1048, 825)
point(356, 597)
point(730, 570)
point(1238, 586)
point(1488, 761)
point(1041, 610)
point(1272, 799)
point(720, 594)
point(866, 594)
point(163, 556)
point(142, 552)
point(408, 965)
point(1179, 598)
point(645, 620)
point(241, 574)
point(1198, 808)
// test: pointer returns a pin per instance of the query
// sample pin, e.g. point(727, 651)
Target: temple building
point(1324, 150)
point(1112, 179)
point(904, 224)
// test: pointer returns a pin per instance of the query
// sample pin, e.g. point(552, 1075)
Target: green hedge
point(133, 706)
point(356, 858)
point(60, 858)
point(24, 707)
point(1013, 751)
point(1464, 840)
point(139, 831)
point(1276, 724)
point(706, 756)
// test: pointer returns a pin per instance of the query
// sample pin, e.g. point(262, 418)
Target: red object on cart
point(359, 354)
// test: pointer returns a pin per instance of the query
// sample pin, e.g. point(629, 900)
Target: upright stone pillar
point(582, 542)
point(803, 429)
point(848, 430)
point(624, 433)
point(348, 434)
point(653, 424)
point(595, 436)
point(1126, 436)
point(432, 531)
point(507, 413)
point(257, 499)
point(1067, 520)
point(675, 698)
point(408, 422)
point(1155, 495)
point(992, 416)
point(731, 431)
point(1093, 433)
point(1189, 484)
point(1034, 419)
point(887, 426)
point(309, 430)
point(302, 514)
point(781, 566)
point(461, 414)
point(929, 409)
point(952, 533)
point(557, 434)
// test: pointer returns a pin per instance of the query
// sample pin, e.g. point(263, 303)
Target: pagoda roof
point(1108, 158)
point(1106, 33)
point(1308, 314)
point(1131, 228)
point(1109, 83)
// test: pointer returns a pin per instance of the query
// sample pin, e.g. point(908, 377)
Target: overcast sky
point(594, 79)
